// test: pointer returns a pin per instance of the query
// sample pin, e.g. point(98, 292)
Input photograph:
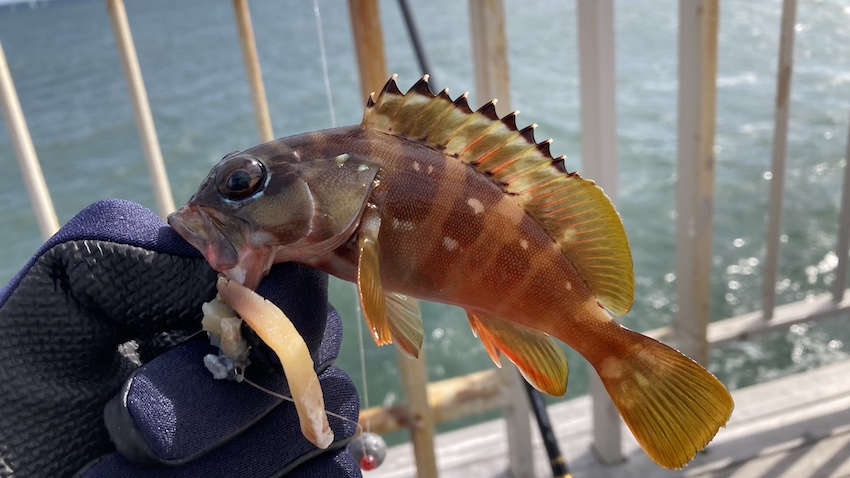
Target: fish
point(427, 199)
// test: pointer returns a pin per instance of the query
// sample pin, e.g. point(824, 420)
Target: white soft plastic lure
point(278, 332)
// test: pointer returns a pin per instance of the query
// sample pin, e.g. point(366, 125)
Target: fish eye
point(240, 177)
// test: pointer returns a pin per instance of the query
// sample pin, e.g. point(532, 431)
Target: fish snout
point(198, 229)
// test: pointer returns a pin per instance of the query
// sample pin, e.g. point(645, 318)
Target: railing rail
point(445, 400)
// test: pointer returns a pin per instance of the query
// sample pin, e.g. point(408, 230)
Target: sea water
point(69, 78)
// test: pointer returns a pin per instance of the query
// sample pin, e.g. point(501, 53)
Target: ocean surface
point(73, 93)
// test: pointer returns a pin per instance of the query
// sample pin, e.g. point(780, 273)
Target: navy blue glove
point(89, 365)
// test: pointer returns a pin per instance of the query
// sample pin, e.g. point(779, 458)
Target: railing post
point(840, 285)
point(695, 194)
point(490, 62)
point(252, 69)
point(48, 224)
point(369, 44)
point(150, 143)
point(490, 53)
point(597, 70)
point(785, 68)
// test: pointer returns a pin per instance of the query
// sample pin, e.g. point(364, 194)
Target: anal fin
point(391, 317)
point(540, 360)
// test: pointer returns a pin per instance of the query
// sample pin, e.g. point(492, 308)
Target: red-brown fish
point(428, 199)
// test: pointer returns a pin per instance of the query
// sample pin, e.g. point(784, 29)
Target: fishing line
point(261, 388)
point(324, 57)
point(368, 449)
point(358, 311)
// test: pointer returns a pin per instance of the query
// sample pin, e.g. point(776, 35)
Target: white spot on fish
point(476, 205)
point(523, 243)
point(416, 166)
point(508, 208)
point(569, 285)
point(341, 159)
point(362, 168)
point(403, 225)
point(449, 243)
point(430, 169)
point(611, 368)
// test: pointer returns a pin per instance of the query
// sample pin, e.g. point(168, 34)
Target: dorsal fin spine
point(544, 146)
point(471, 145)
point(462, 103)
point(513, 159)
point(488, 110)
point(481, 157)
point(528, 133)
point(404, 100)
point(424, 125)
point(391, 87)
point(518, 175)
point(422, 87)
point(510, 120)
point(453, 126)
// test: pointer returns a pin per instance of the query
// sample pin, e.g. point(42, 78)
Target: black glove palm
point(116, 273)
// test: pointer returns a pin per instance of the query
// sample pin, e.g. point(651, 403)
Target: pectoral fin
point(540, 360)
point(391, 317)
point(369, 285)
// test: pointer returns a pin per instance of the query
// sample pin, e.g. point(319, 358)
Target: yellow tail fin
point(672, 405)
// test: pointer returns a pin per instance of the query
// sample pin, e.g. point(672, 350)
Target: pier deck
point(797, 426)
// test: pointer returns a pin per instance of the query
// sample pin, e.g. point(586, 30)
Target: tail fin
point(672, 405)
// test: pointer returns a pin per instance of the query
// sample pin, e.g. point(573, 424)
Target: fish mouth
point(238, 262)
point(198, 229)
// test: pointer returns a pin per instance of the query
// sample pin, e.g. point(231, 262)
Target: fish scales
point(429, 199)
point(435, 245)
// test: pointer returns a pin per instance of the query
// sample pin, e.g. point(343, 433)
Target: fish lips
point(198, 229)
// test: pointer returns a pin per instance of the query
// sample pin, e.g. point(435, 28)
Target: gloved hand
point(117, 273)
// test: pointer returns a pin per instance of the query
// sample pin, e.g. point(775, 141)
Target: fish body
point(428, 199)
point(449, 234)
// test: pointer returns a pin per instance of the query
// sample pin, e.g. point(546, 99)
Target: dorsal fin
point(573, 211)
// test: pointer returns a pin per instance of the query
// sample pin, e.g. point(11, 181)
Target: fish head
point(270, 204)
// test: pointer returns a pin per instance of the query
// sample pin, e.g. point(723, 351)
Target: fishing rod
point(413, 31)
point(553, 451)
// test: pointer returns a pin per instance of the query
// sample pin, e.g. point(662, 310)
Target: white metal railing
point(697, 94)
point(780, 143)
point(597, 77)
